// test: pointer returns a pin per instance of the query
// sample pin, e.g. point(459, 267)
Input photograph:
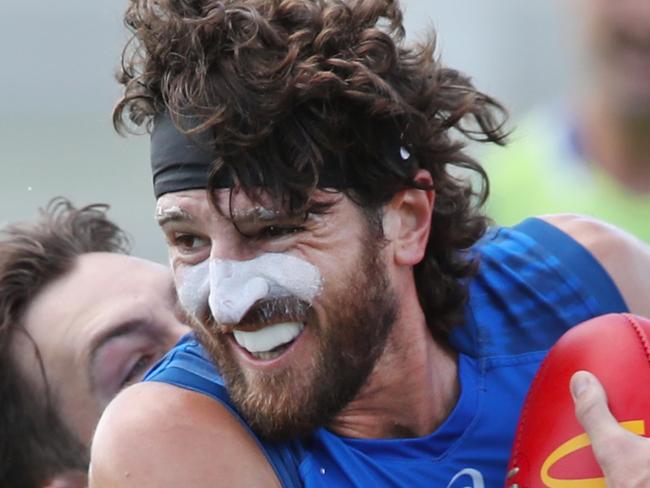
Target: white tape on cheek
point(193, 286)
point(289, 276)
point(235, 286)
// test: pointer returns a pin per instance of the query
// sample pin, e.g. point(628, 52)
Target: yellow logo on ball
point(573, 445)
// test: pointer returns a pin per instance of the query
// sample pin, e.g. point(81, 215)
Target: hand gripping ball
point(551, 449)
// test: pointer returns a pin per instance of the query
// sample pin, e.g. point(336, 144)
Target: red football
point(551, 449)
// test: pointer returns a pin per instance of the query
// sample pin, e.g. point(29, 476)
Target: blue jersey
point(533, 283)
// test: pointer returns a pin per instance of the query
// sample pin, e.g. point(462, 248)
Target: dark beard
point(296, 401)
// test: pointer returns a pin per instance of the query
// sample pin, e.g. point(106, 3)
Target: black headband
point(177, 162)
point(180, 163)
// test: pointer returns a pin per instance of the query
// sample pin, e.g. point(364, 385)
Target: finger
point(591, 409)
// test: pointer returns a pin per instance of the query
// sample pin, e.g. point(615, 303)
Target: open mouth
point(269, 342)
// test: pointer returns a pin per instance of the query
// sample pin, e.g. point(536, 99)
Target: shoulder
point(625, 258)
point(159, 435)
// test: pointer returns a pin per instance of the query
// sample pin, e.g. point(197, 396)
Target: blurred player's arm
point(625, 258)
point(155, 435)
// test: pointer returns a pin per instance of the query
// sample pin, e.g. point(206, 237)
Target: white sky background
point(57, 91)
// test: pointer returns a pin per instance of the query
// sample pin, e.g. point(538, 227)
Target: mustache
point(264, 312)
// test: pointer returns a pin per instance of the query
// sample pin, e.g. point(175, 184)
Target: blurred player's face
point(319, 306)
point(621, 44)
point(97, 329)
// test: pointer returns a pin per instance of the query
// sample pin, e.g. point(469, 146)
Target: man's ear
point(407, 221)
point(69, 479)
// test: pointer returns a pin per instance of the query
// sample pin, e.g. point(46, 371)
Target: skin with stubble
point(346, 330)
point(297, 399)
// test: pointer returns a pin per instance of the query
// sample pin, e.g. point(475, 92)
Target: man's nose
point(234, 290)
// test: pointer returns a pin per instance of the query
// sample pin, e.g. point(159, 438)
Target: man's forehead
point(101, 288)
point(230, 203)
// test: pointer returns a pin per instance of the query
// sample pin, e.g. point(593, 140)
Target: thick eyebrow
point(173, 214)
point(255, 214)
point(262, 214)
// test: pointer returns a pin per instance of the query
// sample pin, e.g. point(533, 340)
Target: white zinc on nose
point(231, 288)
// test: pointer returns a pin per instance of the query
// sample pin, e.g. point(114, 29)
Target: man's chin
point(280, 431)
point(276, 411)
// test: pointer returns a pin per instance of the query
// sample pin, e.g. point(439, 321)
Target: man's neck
point(411, 391)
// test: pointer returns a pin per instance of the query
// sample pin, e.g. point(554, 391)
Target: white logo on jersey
point(473, 474)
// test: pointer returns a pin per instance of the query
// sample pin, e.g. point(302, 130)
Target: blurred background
point(57, 92)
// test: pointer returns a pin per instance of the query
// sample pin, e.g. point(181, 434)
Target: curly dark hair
point(282, 86)
point(35, 443)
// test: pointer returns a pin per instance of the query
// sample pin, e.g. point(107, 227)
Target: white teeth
point(268, 338)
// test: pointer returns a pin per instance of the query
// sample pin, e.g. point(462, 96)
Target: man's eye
point(188, 242)
point(138, 370)
point(272, 231)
